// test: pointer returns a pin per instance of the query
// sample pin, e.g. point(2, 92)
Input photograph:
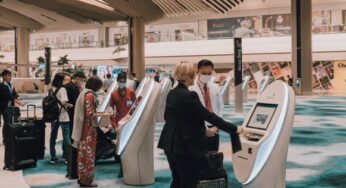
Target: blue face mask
point(122, 85)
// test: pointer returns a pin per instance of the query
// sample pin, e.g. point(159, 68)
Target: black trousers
point(71, 116)
point(184, 170)
point(6, 114)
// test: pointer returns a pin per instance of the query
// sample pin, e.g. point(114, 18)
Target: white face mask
point(204, 78)
point(122, 85)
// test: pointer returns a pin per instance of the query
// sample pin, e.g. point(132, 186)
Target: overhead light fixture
point(98, 3)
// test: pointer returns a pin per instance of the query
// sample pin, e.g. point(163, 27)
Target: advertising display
point(152, 36)
point(234, 27)
point(321, 21)
point(118, 36)
point(276, 25)
point(321, 74)
point(86, 40)
point(340, 75)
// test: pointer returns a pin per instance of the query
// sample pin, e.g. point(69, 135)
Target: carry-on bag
point(18, 147)
point(211, 173)
point(40, 132)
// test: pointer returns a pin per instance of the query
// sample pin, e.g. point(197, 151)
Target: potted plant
point(119, 49)
point(63, 61)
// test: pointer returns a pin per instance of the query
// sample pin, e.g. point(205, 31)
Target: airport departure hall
point(173, 93)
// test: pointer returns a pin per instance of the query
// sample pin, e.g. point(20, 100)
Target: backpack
point(50, 106)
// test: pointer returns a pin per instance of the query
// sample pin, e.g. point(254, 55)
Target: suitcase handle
point(27, 110)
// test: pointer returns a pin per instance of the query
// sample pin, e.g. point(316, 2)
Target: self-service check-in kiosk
point(136, 137)
point(141, 86)
point(224, 90)
point(245, 88)
point(264, 83)
point(104, 120)
point(267, 130)
point(166, 86)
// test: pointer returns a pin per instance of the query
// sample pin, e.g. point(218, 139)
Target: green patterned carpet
point(316, 156)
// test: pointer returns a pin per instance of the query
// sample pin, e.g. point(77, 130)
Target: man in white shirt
point(210, 97)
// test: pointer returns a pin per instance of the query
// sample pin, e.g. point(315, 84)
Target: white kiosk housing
point(166, 86)
point(264, 83)
point(136, 137)
point(245, 88)
point(224, 90)
point(267, 130)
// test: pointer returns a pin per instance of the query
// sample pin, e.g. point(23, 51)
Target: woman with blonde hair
point(183, 137)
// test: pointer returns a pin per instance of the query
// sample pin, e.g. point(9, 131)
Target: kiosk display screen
point(134, 106)
point(261, 116)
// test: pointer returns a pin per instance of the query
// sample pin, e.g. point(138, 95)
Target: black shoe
point(53, 160)
point(120, 174)
point(85, 185)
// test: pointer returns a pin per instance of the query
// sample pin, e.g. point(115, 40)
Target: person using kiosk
point(183, 137)
point(209, 95)
point(121, 101)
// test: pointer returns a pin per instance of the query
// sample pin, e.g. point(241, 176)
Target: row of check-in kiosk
point(267, 131)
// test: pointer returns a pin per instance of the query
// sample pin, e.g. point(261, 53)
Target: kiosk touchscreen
point(267, 130)
point(245, 88)
point(136, 137)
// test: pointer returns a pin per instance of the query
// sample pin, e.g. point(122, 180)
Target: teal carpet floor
point(316, 156)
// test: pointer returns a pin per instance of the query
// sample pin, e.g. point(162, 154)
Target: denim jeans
point(53, 135)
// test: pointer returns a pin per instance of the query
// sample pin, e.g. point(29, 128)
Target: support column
point(301, 13)
point(22, 47)
point(136, 47)
point(103, 36)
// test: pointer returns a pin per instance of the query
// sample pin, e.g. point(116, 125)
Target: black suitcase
point(18, 148)
point(39, 133)
point(72, 163)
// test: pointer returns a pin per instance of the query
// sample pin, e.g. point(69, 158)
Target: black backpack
point(50, 106)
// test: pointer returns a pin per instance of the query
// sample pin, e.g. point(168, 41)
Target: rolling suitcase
point(39, 132)
point(18, 147)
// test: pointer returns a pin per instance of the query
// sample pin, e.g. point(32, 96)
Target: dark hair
point(122, 76)
point(133, 74)
point(58, 80)
point(94, 72)
point(205, 63)
point(5, 72)
point(94, 83)
point(108, 75)
point(79, 74)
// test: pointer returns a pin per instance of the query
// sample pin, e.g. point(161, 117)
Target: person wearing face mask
point(209, 95)
point(183, 137)
point(121, 101)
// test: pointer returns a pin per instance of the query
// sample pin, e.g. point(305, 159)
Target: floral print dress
point(87, 145)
